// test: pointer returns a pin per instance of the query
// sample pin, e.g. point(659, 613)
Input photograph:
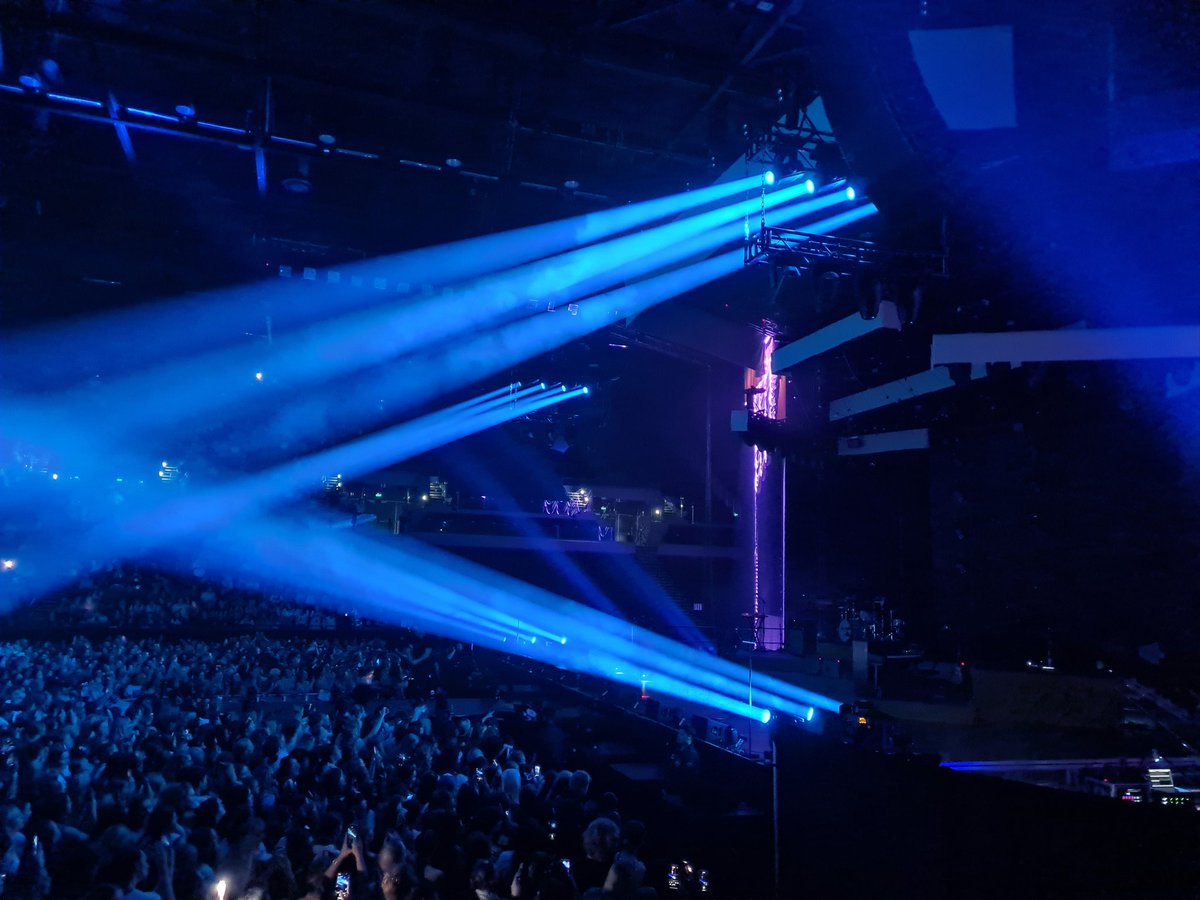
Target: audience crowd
point(269, 767)
point(132, 597)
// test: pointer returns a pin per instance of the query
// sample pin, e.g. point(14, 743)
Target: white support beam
point(840, 332)
point(885, 442)
point(1068, 345)
point(931, 381)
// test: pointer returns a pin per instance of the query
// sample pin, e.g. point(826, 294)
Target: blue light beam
point(103, 341)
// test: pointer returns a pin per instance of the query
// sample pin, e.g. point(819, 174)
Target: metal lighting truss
point(803, 250)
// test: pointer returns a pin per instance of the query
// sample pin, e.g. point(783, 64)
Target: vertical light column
point(767, 401)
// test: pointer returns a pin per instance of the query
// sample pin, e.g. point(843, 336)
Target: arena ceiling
point(335, 123)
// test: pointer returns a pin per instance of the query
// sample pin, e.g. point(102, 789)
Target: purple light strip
point(764, 403)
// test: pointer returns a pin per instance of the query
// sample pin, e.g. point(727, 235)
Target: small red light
point(962, 664)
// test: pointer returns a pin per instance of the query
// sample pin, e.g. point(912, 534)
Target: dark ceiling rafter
point(444, 108)
point(782, 17)
point(238, 138)
point(647, 15)
point(622, 58)
point(513, 116)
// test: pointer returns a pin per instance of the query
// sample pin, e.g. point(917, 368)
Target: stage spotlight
point(850, 193)
point(54, 477)
point(765, 716)
point(258, 376)
point(9, 564)
point(453, 162)
point(571, 184)
point(32, 81)
point(769, 178)
point(809, 717)
point(810, 186)
point(185, 111)
point(562, 640)
point(586, 389)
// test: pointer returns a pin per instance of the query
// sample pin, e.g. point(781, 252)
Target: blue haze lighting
point(512, 391)
point(498, 349)
point(357, 458)
point(232, 311)
point(495, 350)
point(141, 530)
point(374, 337)
point(580, 584)
point(702, 669)
point(288, 555)
point(682, 667)
point(471, 360)
point(525, 339)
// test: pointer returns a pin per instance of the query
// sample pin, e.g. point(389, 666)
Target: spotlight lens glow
point(258, 376)
point(850, 193)
point(769, 178)
point(10, 564)
point(562, 640)
point(810, 714)
point(810, 186)
point(543, 385)
point(766, 716)
point(586, 389)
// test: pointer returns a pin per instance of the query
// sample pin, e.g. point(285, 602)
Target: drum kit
point(869, 622)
